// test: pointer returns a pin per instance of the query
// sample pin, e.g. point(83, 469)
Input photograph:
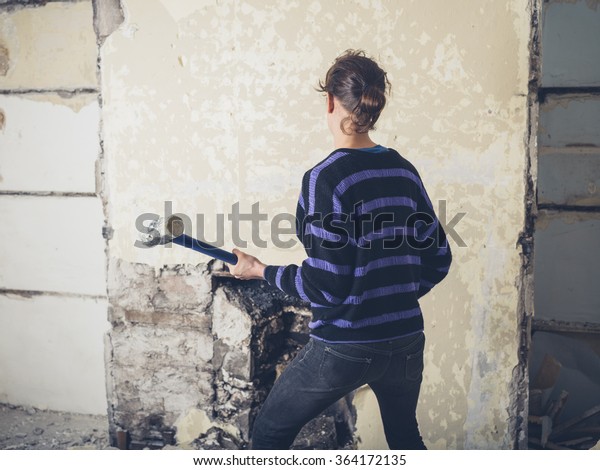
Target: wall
point(567, 225)
point(52, 263)
point(567, 253)
point(206, 104)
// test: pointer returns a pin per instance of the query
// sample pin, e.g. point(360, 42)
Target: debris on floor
point(34, 429)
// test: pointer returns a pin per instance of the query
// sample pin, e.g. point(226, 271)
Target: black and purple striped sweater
point(374, 246)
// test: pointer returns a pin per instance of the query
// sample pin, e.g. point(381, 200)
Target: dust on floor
point(30, 428)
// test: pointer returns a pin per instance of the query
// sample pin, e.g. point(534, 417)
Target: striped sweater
point(374, 246)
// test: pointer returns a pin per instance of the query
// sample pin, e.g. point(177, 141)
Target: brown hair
point(360, 85)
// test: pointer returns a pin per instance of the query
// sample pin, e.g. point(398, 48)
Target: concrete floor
point(30, 428)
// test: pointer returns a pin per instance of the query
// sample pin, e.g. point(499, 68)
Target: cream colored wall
point(210, 103)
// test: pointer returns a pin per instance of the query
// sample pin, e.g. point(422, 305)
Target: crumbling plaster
point(209, 103)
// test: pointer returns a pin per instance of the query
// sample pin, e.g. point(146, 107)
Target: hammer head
point(161, 231)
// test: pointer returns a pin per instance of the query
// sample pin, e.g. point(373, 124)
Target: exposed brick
point(230, 324)
point(137, 287)
point(150, 348)
point(205, 358)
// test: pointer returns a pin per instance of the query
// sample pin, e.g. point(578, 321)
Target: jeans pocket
point(303, 355)
point(414, 366)
point(341, 369)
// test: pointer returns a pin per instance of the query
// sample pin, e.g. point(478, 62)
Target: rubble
point(30, 428)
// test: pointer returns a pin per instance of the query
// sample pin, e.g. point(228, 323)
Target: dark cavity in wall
point(280, 330)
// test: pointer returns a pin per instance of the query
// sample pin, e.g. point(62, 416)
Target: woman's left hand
point(247, 267)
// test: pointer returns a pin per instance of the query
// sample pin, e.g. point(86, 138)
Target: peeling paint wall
point(211, 103)
point(206, 104)
point(52, 262)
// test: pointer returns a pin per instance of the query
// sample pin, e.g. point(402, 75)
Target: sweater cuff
point(270, 274)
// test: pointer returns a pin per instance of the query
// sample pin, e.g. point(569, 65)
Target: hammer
point(161, 232)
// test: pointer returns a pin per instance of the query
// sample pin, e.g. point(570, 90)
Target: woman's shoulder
point(327, 165)
point(331, 158)
point(404, 161)
point(343, 162)
point(385, 157)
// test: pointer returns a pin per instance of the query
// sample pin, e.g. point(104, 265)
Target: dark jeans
point(322, 373)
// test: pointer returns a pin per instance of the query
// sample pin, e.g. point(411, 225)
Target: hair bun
point(360, 85)
point(369, 107)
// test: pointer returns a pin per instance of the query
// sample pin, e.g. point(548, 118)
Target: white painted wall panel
point(570, 43)
point(570, 178)
point(49, 143)
point(52, 244)
point(567, 266)
point(51, 346)
point(52, 353)
point(570, 120)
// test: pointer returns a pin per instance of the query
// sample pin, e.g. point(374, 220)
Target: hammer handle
point(202, 247)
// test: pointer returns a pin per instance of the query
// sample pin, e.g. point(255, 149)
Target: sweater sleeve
point(432, 246)
point(325, 277)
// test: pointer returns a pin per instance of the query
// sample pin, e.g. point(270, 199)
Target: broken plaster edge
point(194, 422)
point(109, 15)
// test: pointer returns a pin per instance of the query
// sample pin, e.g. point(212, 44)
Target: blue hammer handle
point(196, 245)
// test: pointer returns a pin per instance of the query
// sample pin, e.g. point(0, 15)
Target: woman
point(374, 247)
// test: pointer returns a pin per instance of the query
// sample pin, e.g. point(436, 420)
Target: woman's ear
point(330, 103)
